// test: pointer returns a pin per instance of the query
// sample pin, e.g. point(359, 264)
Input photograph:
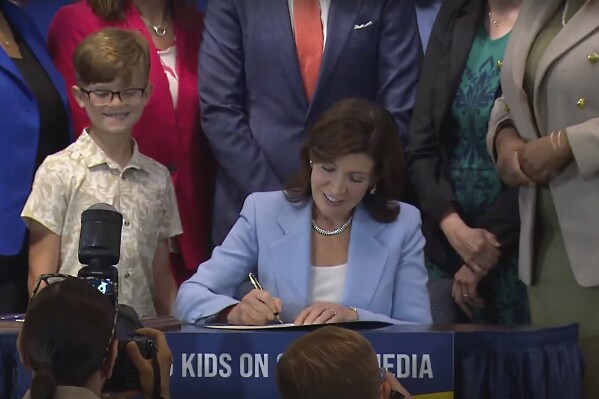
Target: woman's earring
point(311, 163)
point(373, 190)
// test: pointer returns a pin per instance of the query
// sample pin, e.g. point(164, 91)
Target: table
point(435, 362)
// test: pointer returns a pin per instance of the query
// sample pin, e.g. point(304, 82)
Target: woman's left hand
point(541, 159)
point(464, 291)
point(324, 313)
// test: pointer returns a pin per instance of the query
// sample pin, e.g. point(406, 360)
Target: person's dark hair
point(107, 9)
point(113, 10)
point(65, 336)
point(355, 126)
point(331, 362)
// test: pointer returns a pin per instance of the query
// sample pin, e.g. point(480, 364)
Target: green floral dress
point(475, 182)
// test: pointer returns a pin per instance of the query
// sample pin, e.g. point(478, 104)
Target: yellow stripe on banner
point(436, 395)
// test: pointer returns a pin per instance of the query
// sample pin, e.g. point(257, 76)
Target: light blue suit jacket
point(386, 278)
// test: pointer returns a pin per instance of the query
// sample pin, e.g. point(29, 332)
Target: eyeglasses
point(106, 287)
point(130, 96)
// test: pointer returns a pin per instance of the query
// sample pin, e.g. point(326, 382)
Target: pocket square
point(362, 26)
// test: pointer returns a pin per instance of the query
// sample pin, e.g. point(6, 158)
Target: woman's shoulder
point(78, 15)
point(408, 218)
point(79, 8)
point(267, 199)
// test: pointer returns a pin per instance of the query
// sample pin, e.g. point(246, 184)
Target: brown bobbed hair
point(111, 53)
point(356, 126)
point(114, 10)
point(331, 362)
point(64, 338)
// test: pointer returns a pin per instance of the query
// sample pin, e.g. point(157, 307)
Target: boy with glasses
point(104, 165)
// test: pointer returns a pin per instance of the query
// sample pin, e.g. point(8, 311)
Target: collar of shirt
point(93, 155)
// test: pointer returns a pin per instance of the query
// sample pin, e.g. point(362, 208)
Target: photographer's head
point(328, 363)
point(67, 338)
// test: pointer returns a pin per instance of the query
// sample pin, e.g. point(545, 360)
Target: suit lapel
point(366, 260)
point(465, 27)
point(290, 257)
point(283, 32)
point(582, 24)
point(34, 41)
point(532, 18)
point(9, 66)
point(342, 18)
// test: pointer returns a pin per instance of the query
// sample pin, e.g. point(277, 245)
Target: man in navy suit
point(267, 73)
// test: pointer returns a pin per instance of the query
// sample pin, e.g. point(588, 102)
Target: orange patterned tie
point(308, 41)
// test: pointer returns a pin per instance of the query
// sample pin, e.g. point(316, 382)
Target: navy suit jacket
point(254, 107)
point(19, 129)
point(385, 280)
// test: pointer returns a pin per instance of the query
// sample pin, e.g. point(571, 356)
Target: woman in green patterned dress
point(470, 219)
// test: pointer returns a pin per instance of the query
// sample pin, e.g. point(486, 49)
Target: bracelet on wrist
point(355, 311)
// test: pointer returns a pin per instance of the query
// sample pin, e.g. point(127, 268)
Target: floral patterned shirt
point(70, 181)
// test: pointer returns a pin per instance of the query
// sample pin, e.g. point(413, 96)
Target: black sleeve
point(431, 188)
point(503, 219)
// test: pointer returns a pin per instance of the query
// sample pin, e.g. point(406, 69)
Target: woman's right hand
point(508, 144)
point(257, 308)
point(144, 366)
point(478, 248)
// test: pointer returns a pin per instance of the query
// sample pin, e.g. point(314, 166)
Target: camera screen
point(106, 287)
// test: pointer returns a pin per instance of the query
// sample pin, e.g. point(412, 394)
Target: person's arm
point(410, 299)
point(44, 253)
point(44, 213)
point(583, 141)
point(503, 219)
point(426, 172)
point(66, 31)
point(504, 145)
point(400, 53)
point(411, 303)
point(211, 289)
point(165, 287)
point(223, 100)
point(145, 368)
point(546, 157)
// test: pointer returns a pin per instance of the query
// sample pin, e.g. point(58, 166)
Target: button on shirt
point(70, 181)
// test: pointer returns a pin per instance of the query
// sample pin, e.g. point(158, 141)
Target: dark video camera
point(100, 250)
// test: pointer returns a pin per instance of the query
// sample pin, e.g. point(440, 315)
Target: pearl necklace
point(336, 231)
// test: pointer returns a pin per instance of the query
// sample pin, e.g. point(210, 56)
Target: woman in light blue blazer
point(334, 247)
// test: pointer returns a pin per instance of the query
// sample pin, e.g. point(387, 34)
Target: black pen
point(257, 286)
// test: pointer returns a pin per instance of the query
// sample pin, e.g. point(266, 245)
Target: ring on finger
point(332, 312)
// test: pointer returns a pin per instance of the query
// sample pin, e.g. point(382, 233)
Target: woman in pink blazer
point(169, 130)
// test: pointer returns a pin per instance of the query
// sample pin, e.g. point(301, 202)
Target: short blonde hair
point(331, 362)
point(109, 54)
